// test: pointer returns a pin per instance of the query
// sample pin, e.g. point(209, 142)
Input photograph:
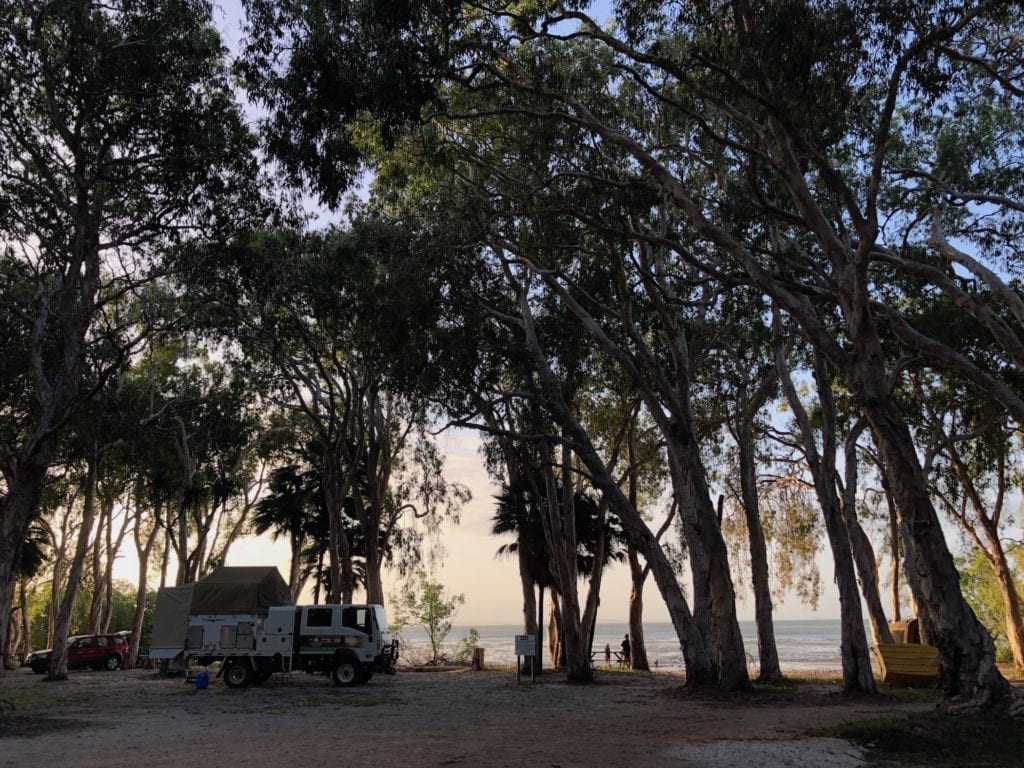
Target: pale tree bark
point(860, 545)
point(144, 543)
point(747, 408)
point(981, 518)
point(58, 669)
point(967, 652)
point(714, 595)
point(857, 674)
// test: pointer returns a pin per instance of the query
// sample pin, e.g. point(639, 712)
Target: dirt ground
point(460, 718)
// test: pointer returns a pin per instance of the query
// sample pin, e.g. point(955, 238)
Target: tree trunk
point(59, 657)
point(530, 612)
point(857, 674)
point(967, 653)
point(555, 649)
point(339, 554)
point(860, 545)
point(143, 550)
point(1011, 600)
point(17, 510)
point(767, 651)
point(636, 610)
point(895, 541)
point(26, 624)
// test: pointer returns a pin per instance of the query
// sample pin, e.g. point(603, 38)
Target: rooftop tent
point(240, 589)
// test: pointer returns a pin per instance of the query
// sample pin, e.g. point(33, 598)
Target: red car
point(96, 651)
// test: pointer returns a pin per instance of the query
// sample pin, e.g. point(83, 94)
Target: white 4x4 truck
point(229, 617)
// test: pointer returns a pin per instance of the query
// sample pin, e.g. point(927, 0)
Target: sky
point(489, 583)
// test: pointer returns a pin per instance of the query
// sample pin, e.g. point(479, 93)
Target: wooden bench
point(908, 664)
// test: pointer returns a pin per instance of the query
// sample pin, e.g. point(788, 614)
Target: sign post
point(526, 645)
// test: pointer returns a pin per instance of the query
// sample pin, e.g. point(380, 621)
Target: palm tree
point(288, 510)
point(519, 513)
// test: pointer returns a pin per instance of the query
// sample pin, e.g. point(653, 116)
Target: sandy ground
point(461, 718)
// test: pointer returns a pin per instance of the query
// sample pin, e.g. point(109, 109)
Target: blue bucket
point(202, 681)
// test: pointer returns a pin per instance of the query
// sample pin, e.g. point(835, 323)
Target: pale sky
point(490, 583)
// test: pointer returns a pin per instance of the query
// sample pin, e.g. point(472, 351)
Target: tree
point(119, 135)
point(423, 603)
point(311, 314)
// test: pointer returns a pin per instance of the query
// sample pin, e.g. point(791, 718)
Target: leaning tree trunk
point(895, 543)
point(996, 557)
point(58, 669)
point(857, 674)
point(967, 653)
point(860, 545)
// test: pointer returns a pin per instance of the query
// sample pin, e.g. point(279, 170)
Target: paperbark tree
point(119, 134)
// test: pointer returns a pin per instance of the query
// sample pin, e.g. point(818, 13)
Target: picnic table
point(619, 657)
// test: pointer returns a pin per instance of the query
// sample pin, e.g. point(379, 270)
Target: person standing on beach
point(626, 659)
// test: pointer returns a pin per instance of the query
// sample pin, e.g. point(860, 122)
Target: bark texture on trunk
point(967, 653)
point(860, 544)
point(768, 653)
point(857, 674)
point(59, 657)
point(696, 650)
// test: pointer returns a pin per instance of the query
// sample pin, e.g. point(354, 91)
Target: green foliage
point(122, 613)
point(423, 603)
point(464, 653)
point(982, 591)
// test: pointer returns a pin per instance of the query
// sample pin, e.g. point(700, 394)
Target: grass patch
point(938, 740)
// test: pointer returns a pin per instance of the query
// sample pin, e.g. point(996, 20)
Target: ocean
point(811, 644)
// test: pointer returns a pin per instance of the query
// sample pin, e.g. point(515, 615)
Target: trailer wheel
point(238, 675)
point(345, 673)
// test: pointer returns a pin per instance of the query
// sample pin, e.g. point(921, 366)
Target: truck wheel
point(345, 673)
point(238, 675)
point(261, 677)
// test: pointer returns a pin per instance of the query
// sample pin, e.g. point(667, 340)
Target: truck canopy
point(248, 590)
point(240, 589)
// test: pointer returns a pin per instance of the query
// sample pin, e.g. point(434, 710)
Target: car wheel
point(345, 673)
point(112, 663)
point(238, 675)
point(39, 670)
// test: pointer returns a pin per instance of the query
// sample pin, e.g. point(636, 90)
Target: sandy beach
point(456, 718)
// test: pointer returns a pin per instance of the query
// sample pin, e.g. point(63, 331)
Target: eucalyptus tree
point(119, 133)
point(310, 316)
point(841, 126)
point(857, 674)
point(748, 380)
point(975, 465)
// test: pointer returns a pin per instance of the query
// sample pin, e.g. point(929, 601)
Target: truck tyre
point(237, 674)
point(345, 673)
